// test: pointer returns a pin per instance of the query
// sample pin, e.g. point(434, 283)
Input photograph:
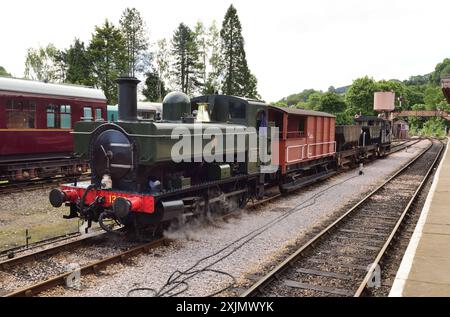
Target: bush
point(434, 127)
point(344, 118)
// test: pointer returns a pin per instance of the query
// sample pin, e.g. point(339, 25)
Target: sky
point(291, 45)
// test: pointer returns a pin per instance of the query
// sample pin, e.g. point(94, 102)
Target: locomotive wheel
point(242, 200)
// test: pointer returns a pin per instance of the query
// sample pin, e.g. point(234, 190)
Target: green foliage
point(418, 107)
point(213, 81)
point(279, 104)
point(237, 78)
point(418, 80)
point(344, 118)
point(154, 87)
point(42, 64)
point(3, 72)
point(415, 125)
point(186, 66)
point(79, 70)
point(421, 92)
point(314, 101)
point(414, 95)
point(359, 96)
point(331, 102)
point(398, 88)
point(108, 55)
point(434, 98)
point(441, 71)
point(161, 66)
point(133, 30)
point(200, 38)
point(294, 99)
point(434, 127)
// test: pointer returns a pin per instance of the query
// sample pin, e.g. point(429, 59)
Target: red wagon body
point(304, 135)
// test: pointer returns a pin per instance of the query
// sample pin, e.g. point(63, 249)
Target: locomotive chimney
point(127, 98)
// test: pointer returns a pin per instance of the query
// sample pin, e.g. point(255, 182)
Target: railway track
point(17, 187)
point(57, 275)
point(344, 259)
point(95, 266)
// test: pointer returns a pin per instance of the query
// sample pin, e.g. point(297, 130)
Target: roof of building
point(24, 86)
point(302, 112)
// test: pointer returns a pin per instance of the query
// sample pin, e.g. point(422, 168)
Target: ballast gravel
point(256, 249)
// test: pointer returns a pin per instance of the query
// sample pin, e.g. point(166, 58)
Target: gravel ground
point(197, 241)
point(31, 210)
point(45, 267)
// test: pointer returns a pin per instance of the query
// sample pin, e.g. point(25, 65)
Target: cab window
point(237, 110)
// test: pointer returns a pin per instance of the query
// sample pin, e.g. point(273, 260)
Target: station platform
point(425, 268)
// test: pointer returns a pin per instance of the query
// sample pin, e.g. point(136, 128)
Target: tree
point(314, 100)
point(331, 102)
point(79, 70)
point(294, 99)
point(154, 87)
point(3, 72)
point(418, 80)
point(161, 67)
point(434, 98)
point(398, 88)
point(414, 95)
point(441, 71)
point(434, 127)
point(108, 55)
point(237, 78)
point(133, 29)
point(213, 82)
point(200, 38)
point(41, 64)
point(360, 96)
point(186, 59)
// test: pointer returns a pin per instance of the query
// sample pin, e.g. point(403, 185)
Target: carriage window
point(98, 113)
point(20, 114)
point(65, 117)
point(51, 116)
point(237, 110)
point(87, 113)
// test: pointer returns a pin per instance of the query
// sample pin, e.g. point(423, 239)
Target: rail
point(307, 250)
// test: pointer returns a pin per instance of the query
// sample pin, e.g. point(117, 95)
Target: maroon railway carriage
point(36, 120)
